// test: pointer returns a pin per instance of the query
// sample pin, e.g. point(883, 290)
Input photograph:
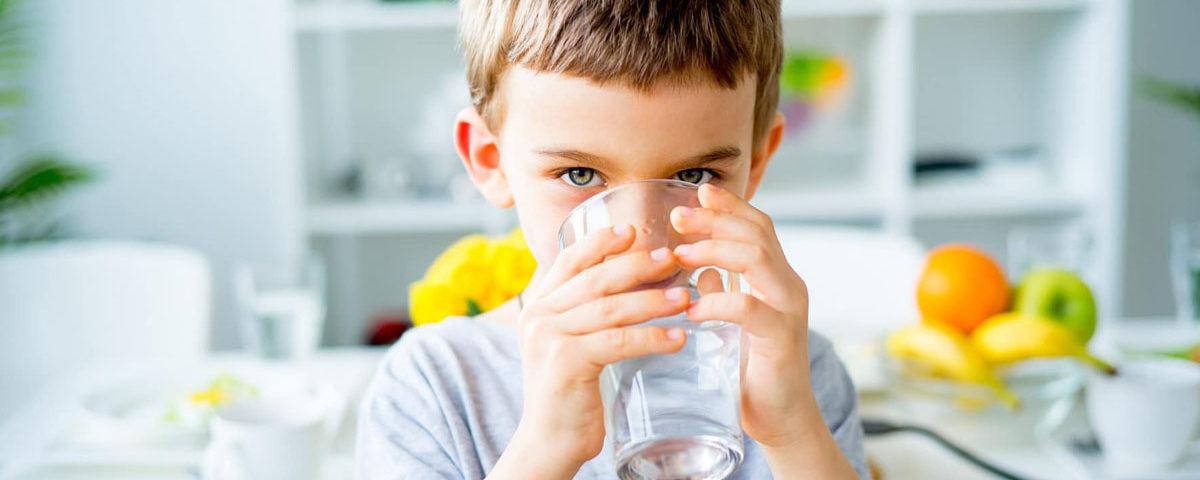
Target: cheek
point(541, 210)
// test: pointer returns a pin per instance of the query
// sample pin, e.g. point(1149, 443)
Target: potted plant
point(31, 185)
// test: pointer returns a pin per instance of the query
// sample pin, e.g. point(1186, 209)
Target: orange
point(961, 287)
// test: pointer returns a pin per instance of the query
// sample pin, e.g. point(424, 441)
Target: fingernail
point(660, 254)
point(686, 211)
point(683, 250)
point(675, 293)
point(674, 333)
point(620, 230)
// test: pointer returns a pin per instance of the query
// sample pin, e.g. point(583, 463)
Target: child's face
point(565, 139)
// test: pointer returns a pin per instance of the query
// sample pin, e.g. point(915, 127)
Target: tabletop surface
point(32, 446)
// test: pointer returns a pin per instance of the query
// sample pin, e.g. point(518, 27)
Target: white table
point(904, 455)
point(28, 438)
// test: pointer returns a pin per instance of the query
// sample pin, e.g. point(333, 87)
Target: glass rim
point(599, 197)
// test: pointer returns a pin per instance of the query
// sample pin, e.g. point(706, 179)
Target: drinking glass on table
point(1185, 272)
point(1064, 246)
point(674, 415)
point(282, 309)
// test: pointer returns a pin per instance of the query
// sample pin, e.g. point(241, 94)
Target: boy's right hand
point(580, 317)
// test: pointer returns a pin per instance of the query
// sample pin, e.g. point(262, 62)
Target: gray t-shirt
point(448, 397)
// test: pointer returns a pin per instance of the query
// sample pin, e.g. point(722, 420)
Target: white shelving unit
point(930, 76)
point(363, 16)
point(399, 217)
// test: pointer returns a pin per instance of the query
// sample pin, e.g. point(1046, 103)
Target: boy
point(571, 97)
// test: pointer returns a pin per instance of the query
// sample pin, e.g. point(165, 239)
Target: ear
point(762, 154)
point(478, 149)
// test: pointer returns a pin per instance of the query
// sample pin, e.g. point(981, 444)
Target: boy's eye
point(581, 177)
point(695, 175)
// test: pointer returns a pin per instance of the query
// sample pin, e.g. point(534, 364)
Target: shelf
point(997, 6)
point(965, 202)
point(399, 216)
point(821, 205)
point(374, 15)
point(377, 15)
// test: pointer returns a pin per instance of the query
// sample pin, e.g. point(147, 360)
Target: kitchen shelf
point(351, 217)
point(974, 76)
point(833, 205)
point(944, 203)
point(374, 15)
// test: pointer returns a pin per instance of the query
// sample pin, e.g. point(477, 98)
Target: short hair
point(636, 43)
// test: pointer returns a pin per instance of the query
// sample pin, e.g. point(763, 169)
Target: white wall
point(186, 107)
point(1163, 171)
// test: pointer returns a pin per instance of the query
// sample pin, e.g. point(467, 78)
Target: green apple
point(1059, 295)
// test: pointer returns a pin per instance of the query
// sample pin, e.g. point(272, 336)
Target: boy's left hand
point(777, 398)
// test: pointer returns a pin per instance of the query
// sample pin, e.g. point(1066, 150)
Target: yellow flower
point(431, 302)
point(464, 251)
point(514, 265)
point(474, 275)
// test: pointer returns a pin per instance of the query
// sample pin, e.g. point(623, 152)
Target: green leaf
point(39, 179)
point(11, 97)
point(473, 308)
point(1181, 96)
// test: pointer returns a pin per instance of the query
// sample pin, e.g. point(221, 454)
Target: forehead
point(554, 110)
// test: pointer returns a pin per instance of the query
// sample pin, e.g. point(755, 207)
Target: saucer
point(1066, 436)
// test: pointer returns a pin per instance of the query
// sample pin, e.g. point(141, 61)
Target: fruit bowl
point(975, 411)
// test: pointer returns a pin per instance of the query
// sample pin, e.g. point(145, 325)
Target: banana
point(1012, 337)
point(948, 354)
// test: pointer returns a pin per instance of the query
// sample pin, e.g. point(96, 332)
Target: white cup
point(1146, 415)
point(265, 440)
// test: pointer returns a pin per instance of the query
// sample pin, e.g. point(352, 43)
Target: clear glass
point(1066, 246)
point(282, 310)
point(1185, 272)
point(678, 415)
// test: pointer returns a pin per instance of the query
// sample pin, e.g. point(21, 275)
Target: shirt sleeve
point(838, 402)
point(402, 432)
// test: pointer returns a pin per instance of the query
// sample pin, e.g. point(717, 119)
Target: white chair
point(66, 304)
point(861, 283)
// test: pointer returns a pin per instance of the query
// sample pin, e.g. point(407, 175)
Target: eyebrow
point(718, 154)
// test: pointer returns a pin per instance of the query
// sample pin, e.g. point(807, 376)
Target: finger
point(624, 309)
point(615, 275)
point(585, 253)
point(710, 281)
point(756, 317)
point(770, 278)
point(615, 344)
point(718, 224)
point(722, 200)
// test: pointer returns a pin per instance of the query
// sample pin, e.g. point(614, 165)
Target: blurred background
point(280, 135)
point(254, 133)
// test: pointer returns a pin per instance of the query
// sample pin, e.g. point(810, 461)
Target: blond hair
point(636, 43)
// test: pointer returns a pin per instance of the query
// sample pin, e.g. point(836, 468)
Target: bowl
point(975, 412)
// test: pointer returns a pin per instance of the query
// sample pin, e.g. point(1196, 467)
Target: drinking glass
point(1185, 272)
point(282, 309)
point(1062, 246)
point(672, 415)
